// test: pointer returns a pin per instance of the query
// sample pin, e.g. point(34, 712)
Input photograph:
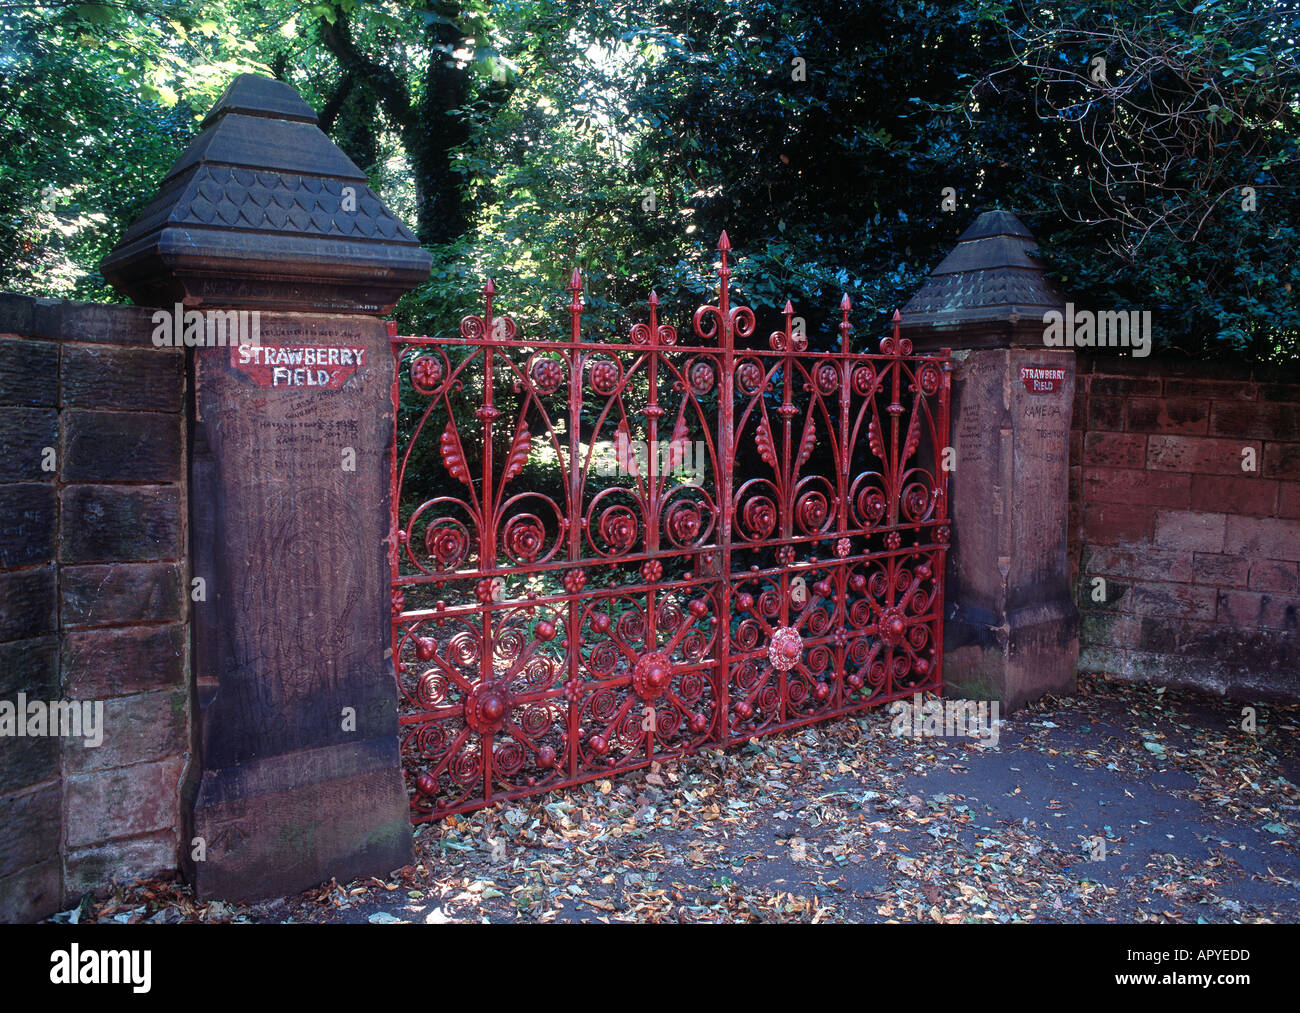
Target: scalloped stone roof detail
point(253, 214)
point(283, 202)
point(989, 276)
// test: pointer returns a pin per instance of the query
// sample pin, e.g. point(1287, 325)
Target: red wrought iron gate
point(608, 553)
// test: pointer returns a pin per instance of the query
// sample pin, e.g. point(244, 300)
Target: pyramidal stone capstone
point(990, 288)
point(264, 211)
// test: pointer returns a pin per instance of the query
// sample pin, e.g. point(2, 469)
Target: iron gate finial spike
point(575, 305)
point(724, 274)
point(489, 291)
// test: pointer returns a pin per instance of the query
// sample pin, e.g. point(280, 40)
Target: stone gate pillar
point(1012, 629)
point(264, 225)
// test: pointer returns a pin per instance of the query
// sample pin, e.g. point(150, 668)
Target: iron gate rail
point(554, 622)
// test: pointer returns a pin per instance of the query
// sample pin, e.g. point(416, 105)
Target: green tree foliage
point(822, 137)
point(521, 139)
point(1181, 191)
point(91, 116)
point(828, 172)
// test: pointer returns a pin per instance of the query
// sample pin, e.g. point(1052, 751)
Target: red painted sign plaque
point(1042, 379)
point(299, 366)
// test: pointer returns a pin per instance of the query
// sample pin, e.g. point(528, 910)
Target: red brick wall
point(1199, 557)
